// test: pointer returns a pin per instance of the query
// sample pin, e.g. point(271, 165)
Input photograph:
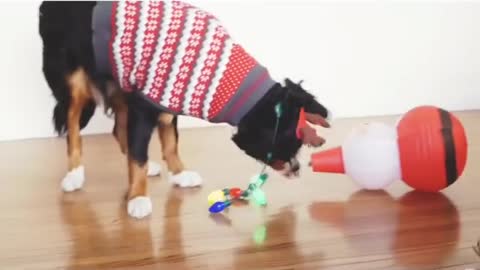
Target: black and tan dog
point(149, 62)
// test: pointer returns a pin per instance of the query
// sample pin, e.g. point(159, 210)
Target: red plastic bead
point(235, 193)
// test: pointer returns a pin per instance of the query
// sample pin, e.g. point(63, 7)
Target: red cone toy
point(427, 150)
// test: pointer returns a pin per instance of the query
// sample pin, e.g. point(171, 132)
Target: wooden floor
point(319, 221)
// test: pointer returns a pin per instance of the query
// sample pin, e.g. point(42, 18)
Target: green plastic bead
point(259, 197)
point(261, 180)
point(278, 109)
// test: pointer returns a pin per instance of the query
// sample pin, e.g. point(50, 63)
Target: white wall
point(359, 58)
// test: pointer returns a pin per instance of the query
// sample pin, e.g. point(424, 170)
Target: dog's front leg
point(140, 126)
point(120, 110)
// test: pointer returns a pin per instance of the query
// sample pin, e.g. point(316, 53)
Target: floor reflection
point(428, 221)
point(418, 228)
point(126, 243)
point(477, 248)
point(129, 242)
point(172, 252)
point(272, 245)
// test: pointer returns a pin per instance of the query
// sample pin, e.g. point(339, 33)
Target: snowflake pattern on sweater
point(181, 58)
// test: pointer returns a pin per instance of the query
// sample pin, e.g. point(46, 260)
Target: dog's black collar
point(278, 113)
point(279, 109)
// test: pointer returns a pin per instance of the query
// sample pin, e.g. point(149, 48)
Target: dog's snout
point(294, 165)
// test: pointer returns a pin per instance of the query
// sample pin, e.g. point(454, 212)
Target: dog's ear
point(301, 98)
point(309, 111)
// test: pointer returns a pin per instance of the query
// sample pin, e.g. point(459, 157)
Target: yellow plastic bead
point(216, 196)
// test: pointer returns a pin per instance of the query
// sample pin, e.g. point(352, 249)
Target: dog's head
point(256, 131)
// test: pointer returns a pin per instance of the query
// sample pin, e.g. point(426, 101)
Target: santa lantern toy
point(427, 149)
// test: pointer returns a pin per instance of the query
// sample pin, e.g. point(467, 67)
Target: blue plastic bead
point(219, 207)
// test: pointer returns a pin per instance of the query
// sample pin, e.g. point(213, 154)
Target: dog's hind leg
point(168, 133)
point(120, 109)
point(80, 95)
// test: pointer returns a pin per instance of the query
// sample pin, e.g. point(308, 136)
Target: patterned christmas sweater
point(179, 57)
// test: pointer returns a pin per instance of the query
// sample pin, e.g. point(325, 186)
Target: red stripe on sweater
point(127, 42)
point(208, 71)
point(150, 40)
point(169, 51)
point(189, 60)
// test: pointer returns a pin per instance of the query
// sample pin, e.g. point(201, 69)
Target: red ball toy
point(433, 148)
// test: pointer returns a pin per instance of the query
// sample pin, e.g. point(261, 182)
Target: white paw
point(154, 168)
point(186, 179)
point(74, 179)
point(139, 207)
